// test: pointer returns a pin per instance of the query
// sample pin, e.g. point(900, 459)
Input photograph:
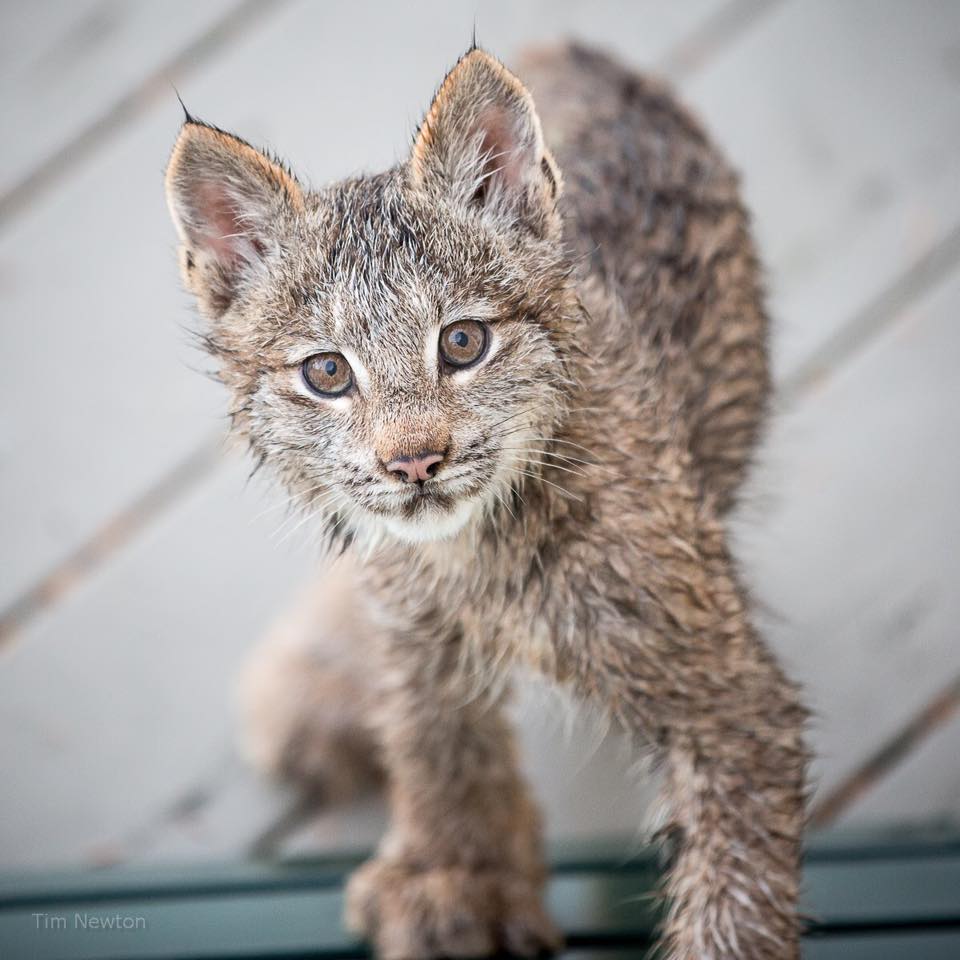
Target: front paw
point(411, 914)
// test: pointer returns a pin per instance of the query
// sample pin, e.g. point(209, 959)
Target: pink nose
point(415, 469)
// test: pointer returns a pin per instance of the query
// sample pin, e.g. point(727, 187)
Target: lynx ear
point(228, 203)
point(481, 143)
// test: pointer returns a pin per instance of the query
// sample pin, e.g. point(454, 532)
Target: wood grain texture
point(67, 63)
point(855, 555)
point(842, 119)
point(114, 701)
point(119, 706)
point(925, 787)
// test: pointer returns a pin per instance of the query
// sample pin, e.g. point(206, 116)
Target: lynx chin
point(516, 381)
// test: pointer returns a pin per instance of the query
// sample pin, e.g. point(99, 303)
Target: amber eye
point(463, 343)
point(327, 374)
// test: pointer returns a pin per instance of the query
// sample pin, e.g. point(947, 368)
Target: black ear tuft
point(187, 116)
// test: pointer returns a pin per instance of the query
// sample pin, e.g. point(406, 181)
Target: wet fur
point(597, 451)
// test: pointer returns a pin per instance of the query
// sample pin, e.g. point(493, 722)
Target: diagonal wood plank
point(843, 119)
point(883, 764)
point(120, 704)
point(64, 63)
point(925, 787)
point(856, 557)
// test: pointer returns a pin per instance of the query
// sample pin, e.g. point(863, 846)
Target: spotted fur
point(576, 523)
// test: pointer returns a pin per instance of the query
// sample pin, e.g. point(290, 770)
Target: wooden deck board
point(856, 556)
point(845, 127)
point(64, 63)
point(843, 121)
point(924, 788)
point(120, 701)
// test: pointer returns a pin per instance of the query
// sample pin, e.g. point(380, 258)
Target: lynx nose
point(415, 469)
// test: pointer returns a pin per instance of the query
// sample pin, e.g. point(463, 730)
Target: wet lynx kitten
point(519, 385)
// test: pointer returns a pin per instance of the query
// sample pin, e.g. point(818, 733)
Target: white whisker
point(563, 490)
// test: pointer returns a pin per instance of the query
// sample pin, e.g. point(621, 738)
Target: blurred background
point(138, 565)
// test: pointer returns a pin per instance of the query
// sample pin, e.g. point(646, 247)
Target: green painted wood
point(611, 854)
point(875, 897)
point(924, 945)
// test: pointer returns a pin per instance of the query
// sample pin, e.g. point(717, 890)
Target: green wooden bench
point(873, 895)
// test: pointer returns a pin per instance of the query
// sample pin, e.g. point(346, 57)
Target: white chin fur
point(432, 526)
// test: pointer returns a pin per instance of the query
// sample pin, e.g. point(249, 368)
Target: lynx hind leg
point(304, 695)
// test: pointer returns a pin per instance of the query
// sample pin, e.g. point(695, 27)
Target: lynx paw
point(411, 914)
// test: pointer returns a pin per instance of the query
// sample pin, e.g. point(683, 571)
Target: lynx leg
point(304, 695)
point(459, 872)
point(679, 663)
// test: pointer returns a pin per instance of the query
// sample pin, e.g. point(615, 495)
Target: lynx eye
point(327, 374)
point(463, 343)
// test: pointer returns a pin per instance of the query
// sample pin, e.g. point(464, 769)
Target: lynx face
point(394, 344)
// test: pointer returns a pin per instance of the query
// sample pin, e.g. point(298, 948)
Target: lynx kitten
point(517, 378)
